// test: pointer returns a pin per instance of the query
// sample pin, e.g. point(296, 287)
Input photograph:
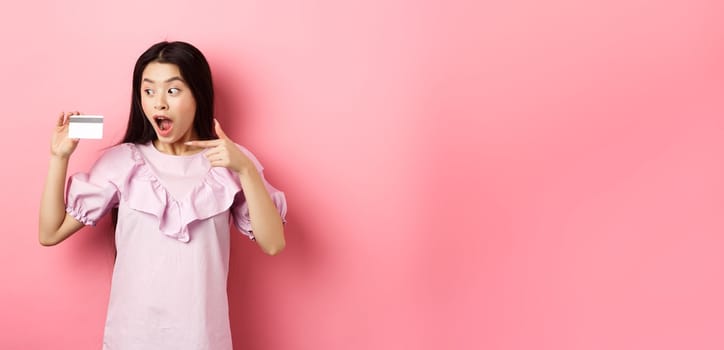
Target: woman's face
point(168, 103)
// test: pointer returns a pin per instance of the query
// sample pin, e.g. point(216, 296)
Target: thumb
point(220, 133)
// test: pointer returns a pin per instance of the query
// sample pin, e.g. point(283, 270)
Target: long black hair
point(194, 70)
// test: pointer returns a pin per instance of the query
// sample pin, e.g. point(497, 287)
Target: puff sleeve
point(91, 195)
point(240, 208)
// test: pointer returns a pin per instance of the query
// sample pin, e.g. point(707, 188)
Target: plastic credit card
point(85, 127)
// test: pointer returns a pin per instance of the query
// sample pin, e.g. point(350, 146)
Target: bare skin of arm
point(265, 220)
point(55, 225)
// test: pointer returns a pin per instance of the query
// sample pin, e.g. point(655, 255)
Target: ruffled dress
point(172, 238)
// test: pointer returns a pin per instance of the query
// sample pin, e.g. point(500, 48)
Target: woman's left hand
point(224, 153)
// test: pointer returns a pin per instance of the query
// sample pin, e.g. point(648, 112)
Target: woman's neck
point(178, 148)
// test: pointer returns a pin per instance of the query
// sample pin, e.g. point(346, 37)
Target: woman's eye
point(173, 91)
point(148, 92)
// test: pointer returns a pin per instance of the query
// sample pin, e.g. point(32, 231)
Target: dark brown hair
point(194, 70)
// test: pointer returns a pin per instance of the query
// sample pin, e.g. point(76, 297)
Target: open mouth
point(164, 123)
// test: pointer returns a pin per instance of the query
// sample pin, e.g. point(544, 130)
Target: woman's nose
point(161, 104)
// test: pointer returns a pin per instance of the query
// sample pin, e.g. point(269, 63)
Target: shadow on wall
point(260, 284)
point(257, 282)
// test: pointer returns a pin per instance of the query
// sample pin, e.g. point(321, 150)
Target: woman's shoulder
point(119, 152)
point(118, 158)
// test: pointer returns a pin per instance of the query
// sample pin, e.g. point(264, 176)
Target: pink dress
point(174, 212)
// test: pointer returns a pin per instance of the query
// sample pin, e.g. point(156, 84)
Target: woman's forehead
point(156, 72)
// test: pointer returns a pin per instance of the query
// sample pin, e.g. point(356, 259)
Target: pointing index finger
point(203, 144)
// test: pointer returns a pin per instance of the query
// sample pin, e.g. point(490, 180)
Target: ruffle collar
point(213, 195)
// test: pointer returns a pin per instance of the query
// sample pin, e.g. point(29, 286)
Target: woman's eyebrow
point(146, 80)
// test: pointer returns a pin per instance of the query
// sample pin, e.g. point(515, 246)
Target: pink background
point(460, 174)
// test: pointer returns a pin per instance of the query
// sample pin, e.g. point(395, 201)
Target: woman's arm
point(54, 224)
point(265, 220)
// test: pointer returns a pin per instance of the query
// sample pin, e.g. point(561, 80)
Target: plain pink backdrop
point(460, 174)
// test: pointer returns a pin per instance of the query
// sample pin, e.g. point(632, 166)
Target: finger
point(220, 133)
point(61, 119)
point(212, 152)
point(216, 152)
point(213, 160)
point(211, 157)
point(203, 144)
point(218, 163)
point(67, 117)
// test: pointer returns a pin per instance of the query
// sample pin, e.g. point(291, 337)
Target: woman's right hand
point(60, 145)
